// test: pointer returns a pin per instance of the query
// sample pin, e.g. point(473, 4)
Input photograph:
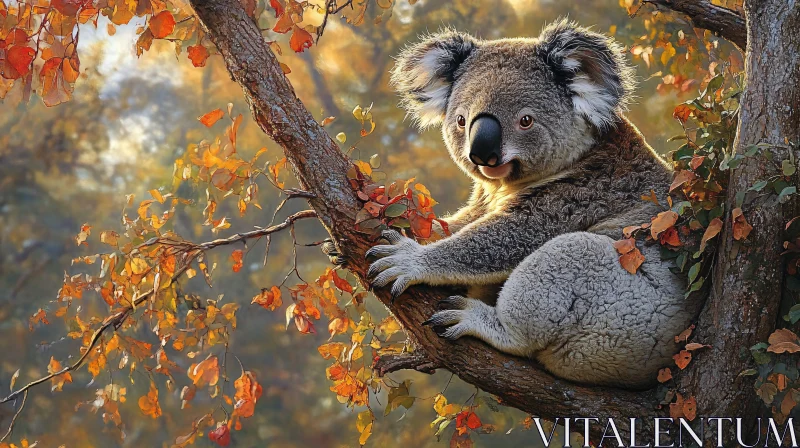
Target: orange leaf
point(237, 257)
point(468, 419)
point(162, 24)
point(58, 381)
point(248, 391)
point(341, 283)
point(670, 237)
point(682, 359)
point(631, 260)
point(681, 178)
point(690, 408)
point(205, 372)
point(662, 222)
point(149, 403)
point(684, 336)
point(269, 298)
point(741, 228)
point(198, 55)
point(692, 346)
point(713, 229)
point(664, 375)
point(300, 40)
point(676, 408)
point(625, 246)
point(38, 317)
point(277, 6)
point(212, 117)
point(682, 112)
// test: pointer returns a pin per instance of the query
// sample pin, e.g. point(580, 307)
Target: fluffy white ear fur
point(593, 67)
point(424, 74)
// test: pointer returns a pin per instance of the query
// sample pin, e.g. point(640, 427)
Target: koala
point(557, 172)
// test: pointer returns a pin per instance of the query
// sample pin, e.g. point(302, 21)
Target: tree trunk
point(741, 311)
point(748, 278)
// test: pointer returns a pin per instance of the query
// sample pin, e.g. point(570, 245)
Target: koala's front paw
point(450, 322)
point(401, 261)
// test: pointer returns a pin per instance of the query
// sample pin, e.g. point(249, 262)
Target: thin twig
point(116, 320)
point(14, 419)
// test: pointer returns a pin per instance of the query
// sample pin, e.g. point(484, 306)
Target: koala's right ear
point(425, 72)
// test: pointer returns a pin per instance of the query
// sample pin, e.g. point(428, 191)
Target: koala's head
point(514, 109)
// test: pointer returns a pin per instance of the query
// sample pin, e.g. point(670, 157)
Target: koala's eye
point(461, 121)
point(526, 122)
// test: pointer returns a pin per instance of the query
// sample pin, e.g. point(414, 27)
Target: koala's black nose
point(485, 141)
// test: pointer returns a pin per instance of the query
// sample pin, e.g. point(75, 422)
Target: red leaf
point(162, 24)
point(221, 435)
point(20, 59)
point(300, 40)
point(682, 112)
point(198, 55)
point(277, 6)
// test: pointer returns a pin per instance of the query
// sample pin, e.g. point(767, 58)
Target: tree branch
point(190, 254)
point(418, 361)
point(321, 168)
point(725, 22)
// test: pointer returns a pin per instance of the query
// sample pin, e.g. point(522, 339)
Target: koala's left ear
point(425, 72)
point(593, 68)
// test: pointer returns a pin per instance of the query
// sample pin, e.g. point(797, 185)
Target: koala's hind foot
point(463, 316)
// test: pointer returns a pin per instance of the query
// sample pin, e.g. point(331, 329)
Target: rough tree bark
point(704, 14)
point(747, 286)
point(731, 319)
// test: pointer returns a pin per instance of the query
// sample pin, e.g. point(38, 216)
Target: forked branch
point(727, 23)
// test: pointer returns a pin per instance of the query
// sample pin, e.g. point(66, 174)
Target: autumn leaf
point(741, 228)
point(662, 222)
point(59, 380)
point(631, 260)
point(664, 375)
point(300, 40)
point(277, 6)
point(684, 336)
point(268, 298)
point(364, 423)
point(212, 117)
point(692, 346)
point(205, 372)
point(690, 408)
point(198, 54)
point(83, 235)
point(248, 391)
point(237, 258)
point(468, 419)
point(676, 408)
point(221, 436)
point(682, 359)
point(682, 112)
point(20, 59)
point(782, 341)
point(162, 24)
point(681, 178)
point(713, 229)
point(38, 317)
point(670, 237)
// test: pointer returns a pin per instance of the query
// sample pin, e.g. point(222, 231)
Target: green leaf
point(694, 271)
point(788, 168)
point(395, 210)
point(758, 186)
point(785, 193)
point(714, 84)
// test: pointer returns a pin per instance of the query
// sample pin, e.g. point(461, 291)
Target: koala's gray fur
point(544, 231)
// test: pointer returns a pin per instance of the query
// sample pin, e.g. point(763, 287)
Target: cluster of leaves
point(696, 208)
point(39, 41)
point(403, 205)
point(680, 51)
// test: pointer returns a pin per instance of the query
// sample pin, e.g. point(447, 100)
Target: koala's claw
point(400, 262)
point(453, 303)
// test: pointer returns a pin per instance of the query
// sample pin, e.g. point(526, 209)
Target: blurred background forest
point(132, 117)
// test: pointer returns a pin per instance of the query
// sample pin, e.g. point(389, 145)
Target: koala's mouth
point(497, 172)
